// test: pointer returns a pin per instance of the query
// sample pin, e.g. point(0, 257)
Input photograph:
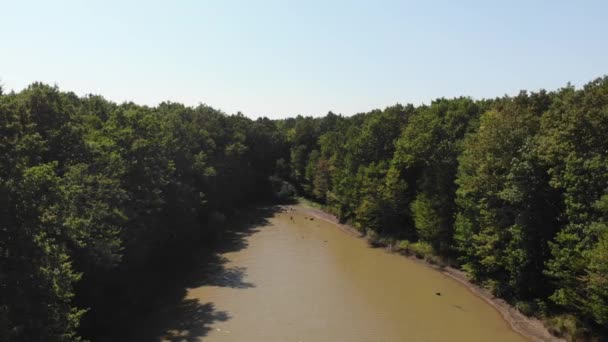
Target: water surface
point(297, 279)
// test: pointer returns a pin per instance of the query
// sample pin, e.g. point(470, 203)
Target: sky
point(284, 58)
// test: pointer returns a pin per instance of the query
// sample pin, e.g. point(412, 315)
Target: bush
point(525, 308)
point(493, 286)
point(568, 327)
point(283, 191)
point(286, 193)
point(421, 250)
point(540, 307)
point(434, 260)
point(386, 241)
point(404, 247)
point(373, 238)
point(537, 308)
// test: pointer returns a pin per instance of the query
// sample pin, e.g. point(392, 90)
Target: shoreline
point(529, 327)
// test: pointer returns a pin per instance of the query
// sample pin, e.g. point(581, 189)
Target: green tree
point(507, 208)
point(426, 157)
point(574, 146)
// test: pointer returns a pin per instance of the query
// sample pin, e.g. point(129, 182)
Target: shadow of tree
point(193, 320)
point(233, 277)
point(161, 311)
point(187, 321)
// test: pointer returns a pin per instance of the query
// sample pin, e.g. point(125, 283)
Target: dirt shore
point(531, 328)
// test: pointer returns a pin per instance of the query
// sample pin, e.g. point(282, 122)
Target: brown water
point(297, 279)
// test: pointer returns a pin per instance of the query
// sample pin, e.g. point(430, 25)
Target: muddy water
point(298, 279)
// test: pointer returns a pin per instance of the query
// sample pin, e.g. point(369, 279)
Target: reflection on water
point(293, 277)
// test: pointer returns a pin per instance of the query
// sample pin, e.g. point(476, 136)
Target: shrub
point(568, 327)
point(493, 286)
point(286, 193)
point(283, 191)
point(404, 247)
point(386, 241)
point(421, 249)
point(434, 260)
point(373, 238)
point(525, 308)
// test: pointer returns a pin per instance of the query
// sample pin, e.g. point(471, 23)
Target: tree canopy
point(513, 190)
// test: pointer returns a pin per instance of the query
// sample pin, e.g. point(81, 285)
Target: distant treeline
point(513, 190)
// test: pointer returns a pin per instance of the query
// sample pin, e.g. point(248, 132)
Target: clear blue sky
point(282, 58)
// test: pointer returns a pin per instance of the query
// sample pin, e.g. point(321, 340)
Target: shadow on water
point(167, 315)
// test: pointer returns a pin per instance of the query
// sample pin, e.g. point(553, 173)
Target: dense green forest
point(513, 190)
point(93, 192)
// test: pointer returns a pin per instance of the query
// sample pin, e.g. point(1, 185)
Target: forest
point(512, 190)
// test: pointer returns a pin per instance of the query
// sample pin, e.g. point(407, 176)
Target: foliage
point(515, 188)
point(91, 192)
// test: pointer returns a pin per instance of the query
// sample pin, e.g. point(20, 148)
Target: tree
point(507, 208)
point(426, 157)
point(574, 146)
